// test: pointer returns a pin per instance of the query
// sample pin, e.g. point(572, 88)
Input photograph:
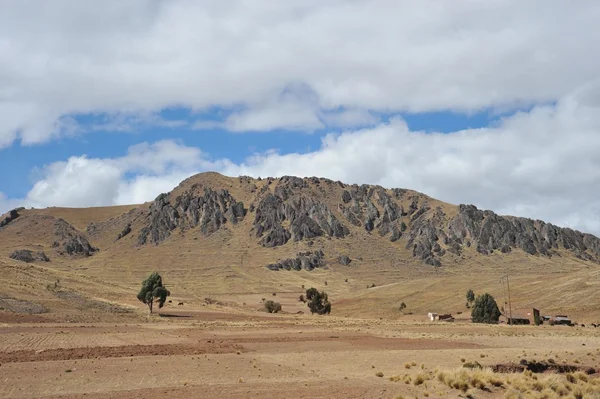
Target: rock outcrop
point(425, 234)
point(305, 216)
point(304, 260)
point(124, 232)
point(360, 210)
point(70, 240)
point(8, 217)
point(209, 211)
point(25, 255)
point(344, 260)
point(491, 232)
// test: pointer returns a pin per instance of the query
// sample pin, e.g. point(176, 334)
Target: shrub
point(272, 307)
point(318, 301)
point(485, 310)
point(470, 296)
point(301, 298)
point(402, 306)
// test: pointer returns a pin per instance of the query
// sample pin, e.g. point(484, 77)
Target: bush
point(301, 298)
point(470, 296)
point(272, 307)
point(485, 310)
point(402, 306)
point(318, 301)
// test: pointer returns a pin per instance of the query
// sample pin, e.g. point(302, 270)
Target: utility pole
point(504, 304)
point(509, 303)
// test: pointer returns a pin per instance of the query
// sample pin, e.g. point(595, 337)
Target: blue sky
point(24, 162)
point(494, 104)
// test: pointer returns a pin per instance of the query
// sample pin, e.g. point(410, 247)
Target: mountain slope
point(233, 237)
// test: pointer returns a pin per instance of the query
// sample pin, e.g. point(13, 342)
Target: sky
point(494, 103)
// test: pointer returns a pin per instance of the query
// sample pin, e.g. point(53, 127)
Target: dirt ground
point(211, 354)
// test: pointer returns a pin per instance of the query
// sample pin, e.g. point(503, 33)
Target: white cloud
point(59, 58)
point(542, 164)
point(144, 172)
point(283, 114)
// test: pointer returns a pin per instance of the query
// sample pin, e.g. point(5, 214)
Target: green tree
point(470, 296)
point(485, 310)
point(153, 291)
point(318, 302)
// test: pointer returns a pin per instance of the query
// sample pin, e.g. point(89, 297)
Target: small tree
point(153, 291)
point(402, 306)
point(272, 307)
point(470, 296)
point(318, 301)
point(485, 310)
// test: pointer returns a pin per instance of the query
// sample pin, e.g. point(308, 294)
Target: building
point(523, 316)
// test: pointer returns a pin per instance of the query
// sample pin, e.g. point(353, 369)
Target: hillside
point(239, 239)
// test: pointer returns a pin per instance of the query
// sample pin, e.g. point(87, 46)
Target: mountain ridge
point(236, 238)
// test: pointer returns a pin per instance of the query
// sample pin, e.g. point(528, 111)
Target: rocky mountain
point(292, 209)
point(299, 216)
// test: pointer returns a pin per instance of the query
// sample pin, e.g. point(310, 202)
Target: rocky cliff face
point(305, 216)
point(70, 240)
point(360, 210)
point(491, 232)
point(209, 212)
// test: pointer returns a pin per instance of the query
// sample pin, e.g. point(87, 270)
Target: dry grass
point(525, 385)
point(231, 265)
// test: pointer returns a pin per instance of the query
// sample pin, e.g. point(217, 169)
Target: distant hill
point(232, 237)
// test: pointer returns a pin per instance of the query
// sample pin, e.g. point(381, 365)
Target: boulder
point(8, 217)
point(303, 260)
point(124, 232)
point(344, 260)
point(71, 240)
point(25, 255)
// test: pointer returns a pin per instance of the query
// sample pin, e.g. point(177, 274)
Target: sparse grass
point(523, 385)
point(420, 379)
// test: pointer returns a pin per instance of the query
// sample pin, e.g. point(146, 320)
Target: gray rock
point(9, 217)
point(346, 197)
point(303, 260)
point(209, 212)
point(344, 260)
point(71, 240)
point(396, 235)
point(491, 232)
point(308, 218)
point(25, 255)
point(124, 232)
